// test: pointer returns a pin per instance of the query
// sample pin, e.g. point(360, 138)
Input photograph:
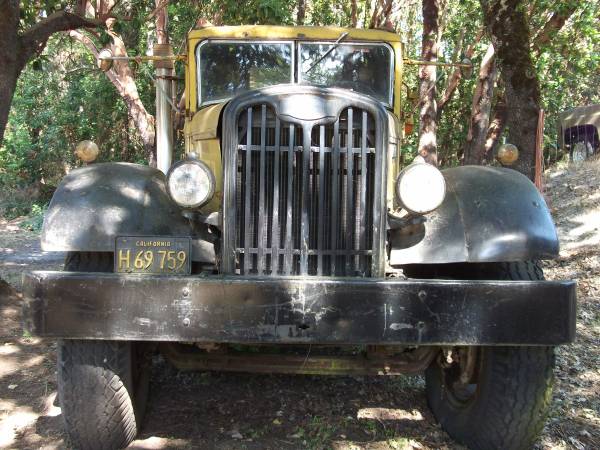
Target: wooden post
point(539, 152)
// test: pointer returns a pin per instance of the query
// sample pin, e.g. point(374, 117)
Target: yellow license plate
point(153, 255)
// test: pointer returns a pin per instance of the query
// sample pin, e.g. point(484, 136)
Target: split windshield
point(227, 68)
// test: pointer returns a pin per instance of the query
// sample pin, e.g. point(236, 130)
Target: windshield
point(229, 68)
point(365, 68)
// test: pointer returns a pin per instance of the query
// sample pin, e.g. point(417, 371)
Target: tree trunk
point(17, 47)
point(496, 127)
point(506, 21)
point(427, 91)
point(9, 44)
point(301, 12)
point(381, 14)
point(121, 76)
point(353, 13)
point(475, 150)
point(456, 76)
point(553, 26)
point(8, 84)
point(162, 36)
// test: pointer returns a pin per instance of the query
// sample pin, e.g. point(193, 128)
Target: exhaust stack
point(164, 118)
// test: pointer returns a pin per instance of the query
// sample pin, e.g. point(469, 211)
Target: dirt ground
point(242, 411)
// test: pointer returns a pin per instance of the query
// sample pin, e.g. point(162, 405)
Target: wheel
point(493, 397)
point(102, 385)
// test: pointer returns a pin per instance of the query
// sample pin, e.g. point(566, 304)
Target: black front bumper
point(298, 310)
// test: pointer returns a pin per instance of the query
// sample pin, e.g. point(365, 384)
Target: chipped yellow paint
point(204, 123)
point(201, 138)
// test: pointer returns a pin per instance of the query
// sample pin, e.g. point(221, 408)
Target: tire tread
point(516, 390)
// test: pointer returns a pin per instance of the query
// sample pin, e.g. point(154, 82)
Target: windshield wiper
point(331, 48)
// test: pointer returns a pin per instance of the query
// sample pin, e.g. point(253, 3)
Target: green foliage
point(61, 97)
point(59, 102)
point(36, 218)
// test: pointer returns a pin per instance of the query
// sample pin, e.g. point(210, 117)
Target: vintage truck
point(290, 239)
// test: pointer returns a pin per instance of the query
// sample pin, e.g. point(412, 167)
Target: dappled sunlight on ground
point(235, 411)
point(250, 411)
point(28, 415)
point(574, 197)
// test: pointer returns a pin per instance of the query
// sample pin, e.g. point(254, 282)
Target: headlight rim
point(398, 183)
point(207, 170)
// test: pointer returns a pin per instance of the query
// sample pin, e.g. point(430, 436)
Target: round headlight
point(190, 183)
point(420, 188)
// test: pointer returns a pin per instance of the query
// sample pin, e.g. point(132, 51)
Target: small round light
point(87, 151)
point(420, 188)
point(507, 154)
point(190, 183)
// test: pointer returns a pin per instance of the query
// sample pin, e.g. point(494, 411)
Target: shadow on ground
point(245, 411)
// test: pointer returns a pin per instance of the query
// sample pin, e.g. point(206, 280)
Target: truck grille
point(303, 198)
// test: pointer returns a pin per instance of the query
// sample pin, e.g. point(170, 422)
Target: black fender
point(95, 204)
point(490, 214)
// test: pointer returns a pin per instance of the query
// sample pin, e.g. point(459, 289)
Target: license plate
point(153, 255)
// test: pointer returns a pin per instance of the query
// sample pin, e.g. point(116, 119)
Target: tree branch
point(456, 76)
point(34, 39)
point(85, 40)
point(554, 24)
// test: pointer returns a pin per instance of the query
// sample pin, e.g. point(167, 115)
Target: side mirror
point(104, 61)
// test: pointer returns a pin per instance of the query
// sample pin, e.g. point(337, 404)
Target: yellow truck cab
point(362, 54)
point(289, 225)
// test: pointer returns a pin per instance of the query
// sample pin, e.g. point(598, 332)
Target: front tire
point(102, 385)
point(101, 400)
point(493, 397)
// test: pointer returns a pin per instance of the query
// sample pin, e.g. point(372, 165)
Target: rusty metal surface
point(233, 309)
point(186, 358)
point(490, 214)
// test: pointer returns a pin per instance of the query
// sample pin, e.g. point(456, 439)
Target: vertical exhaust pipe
point(164, 117)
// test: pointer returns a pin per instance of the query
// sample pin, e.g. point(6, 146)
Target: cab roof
point(292, 32)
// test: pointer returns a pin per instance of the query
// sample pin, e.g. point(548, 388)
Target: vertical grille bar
point(305, 200)
point(248, 187)
point(261, 232)
point(335, 188)
point(363, 189)
point(275, 228)
point(321, 219)
point(288, 222)
point(349, 194)
point(302, 199)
